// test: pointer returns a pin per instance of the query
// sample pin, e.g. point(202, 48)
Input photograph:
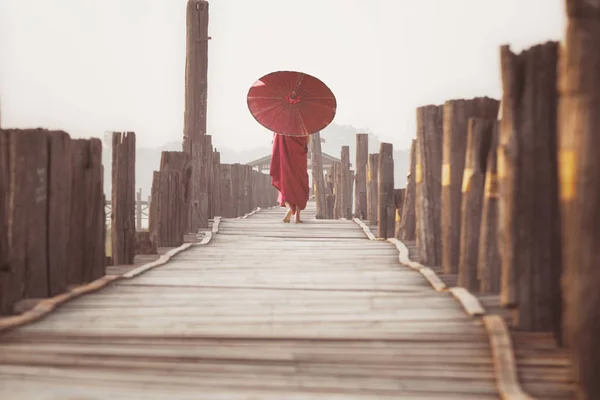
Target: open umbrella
point(291, 103)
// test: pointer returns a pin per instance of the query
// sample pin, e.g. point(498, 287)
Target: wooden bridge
point(478, 280)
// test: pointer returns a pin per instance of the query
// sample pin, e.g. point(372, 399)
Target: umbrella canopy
point(291, 103)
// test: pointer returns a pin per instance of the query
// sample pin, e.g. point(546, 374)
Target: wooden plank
point(408, 219)
point(122, 228)
point(531, 246)
point(372, 188)
point(579, 178)
point(360, 188)
point(456, 116)
point(504, 362)
point(428, 179)
point(480, 132)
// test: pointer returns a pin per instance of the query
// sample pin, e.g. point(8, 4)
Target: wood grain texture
point(531, 251)
point(428, 179)
point(372, 191)
point(408, 221)
point(360, 187)
point(386, 209)
point(579, 124)
point(456, 116)
point(122, 228)
point(480, 133)
point(323, 329)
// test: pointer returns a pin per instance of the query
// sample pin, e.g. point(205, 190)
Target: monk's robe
point(289, 170)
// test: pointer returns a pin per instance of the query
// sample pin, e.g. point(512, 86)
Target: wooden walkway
point(265, 311)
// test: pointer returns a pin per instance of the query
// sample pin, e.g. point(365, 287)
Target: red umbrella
point(291, 103)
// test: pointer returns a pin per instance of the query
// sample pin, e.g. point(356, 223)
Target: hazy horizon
point(88, 67)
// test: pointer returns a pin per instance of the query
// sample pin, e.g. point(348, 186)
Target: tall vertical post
point(372, 179)
point(123, 198)
point(408, 219)
point(316, 160)
point(428, 177)
point(456, 116)
point(360, 185)
point(194, 129)
point(579, 124)
point(386, 210)
point(346, 203)
point(138, 210)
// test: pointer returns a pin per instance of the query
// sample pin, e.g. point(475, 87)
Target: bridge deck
point(265, 311)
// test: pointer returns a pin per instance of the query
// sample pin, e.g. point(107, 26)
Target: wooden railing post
point(385, 192)
point(317, 175)
point(480, 133)
point(216, 184)
point(5, 256)
point(337, 190)
point(346, 201)
point(428, 178)
point(456, 115)
point(138, 210)
point(236, 183)
point(408, 220)
point(488, 255)
point(167, 212)
point(122, 227)
point(360, 185)
point(531, 247)
point(372, 179)
point(227, 203)
point(579, 188)
point(330, 183)
point(399, 195)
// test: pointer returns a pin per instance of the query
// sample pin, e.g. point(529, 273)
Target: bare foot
point(288, 216)
point(298, 220)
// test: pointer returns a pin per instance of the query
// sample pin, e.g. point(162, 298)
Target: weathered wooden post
point(408, 220)
point(236, 180)
point(385, 192)
point(351, 179)
point(480, 133)
point(316, 159)
point(88, 227)
point(227, 204)
point(527, 168)
point(195, 142)
point(488, 255)
point(456, 115)
point(330, 193)
point(138, 210)
point(360, 186)
point(337, 191)
point(345, 203)
point(399, 195)
point(5, 306)
point(60, 174)
point(181, 162)
point(216, 185)
point(428, 178)
point(122, 228)
point(167, 212)
point(579, 125)
point(372, 179)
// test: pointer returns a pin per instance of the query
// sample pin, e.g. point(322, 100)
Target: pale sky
point(90, 66)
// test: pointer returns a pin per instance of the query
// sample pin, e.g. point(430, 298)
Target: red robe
point(289, 170)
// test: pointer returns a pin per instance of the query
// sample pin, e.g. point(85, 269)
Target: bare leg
point(298, 220)
point(288, 214)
